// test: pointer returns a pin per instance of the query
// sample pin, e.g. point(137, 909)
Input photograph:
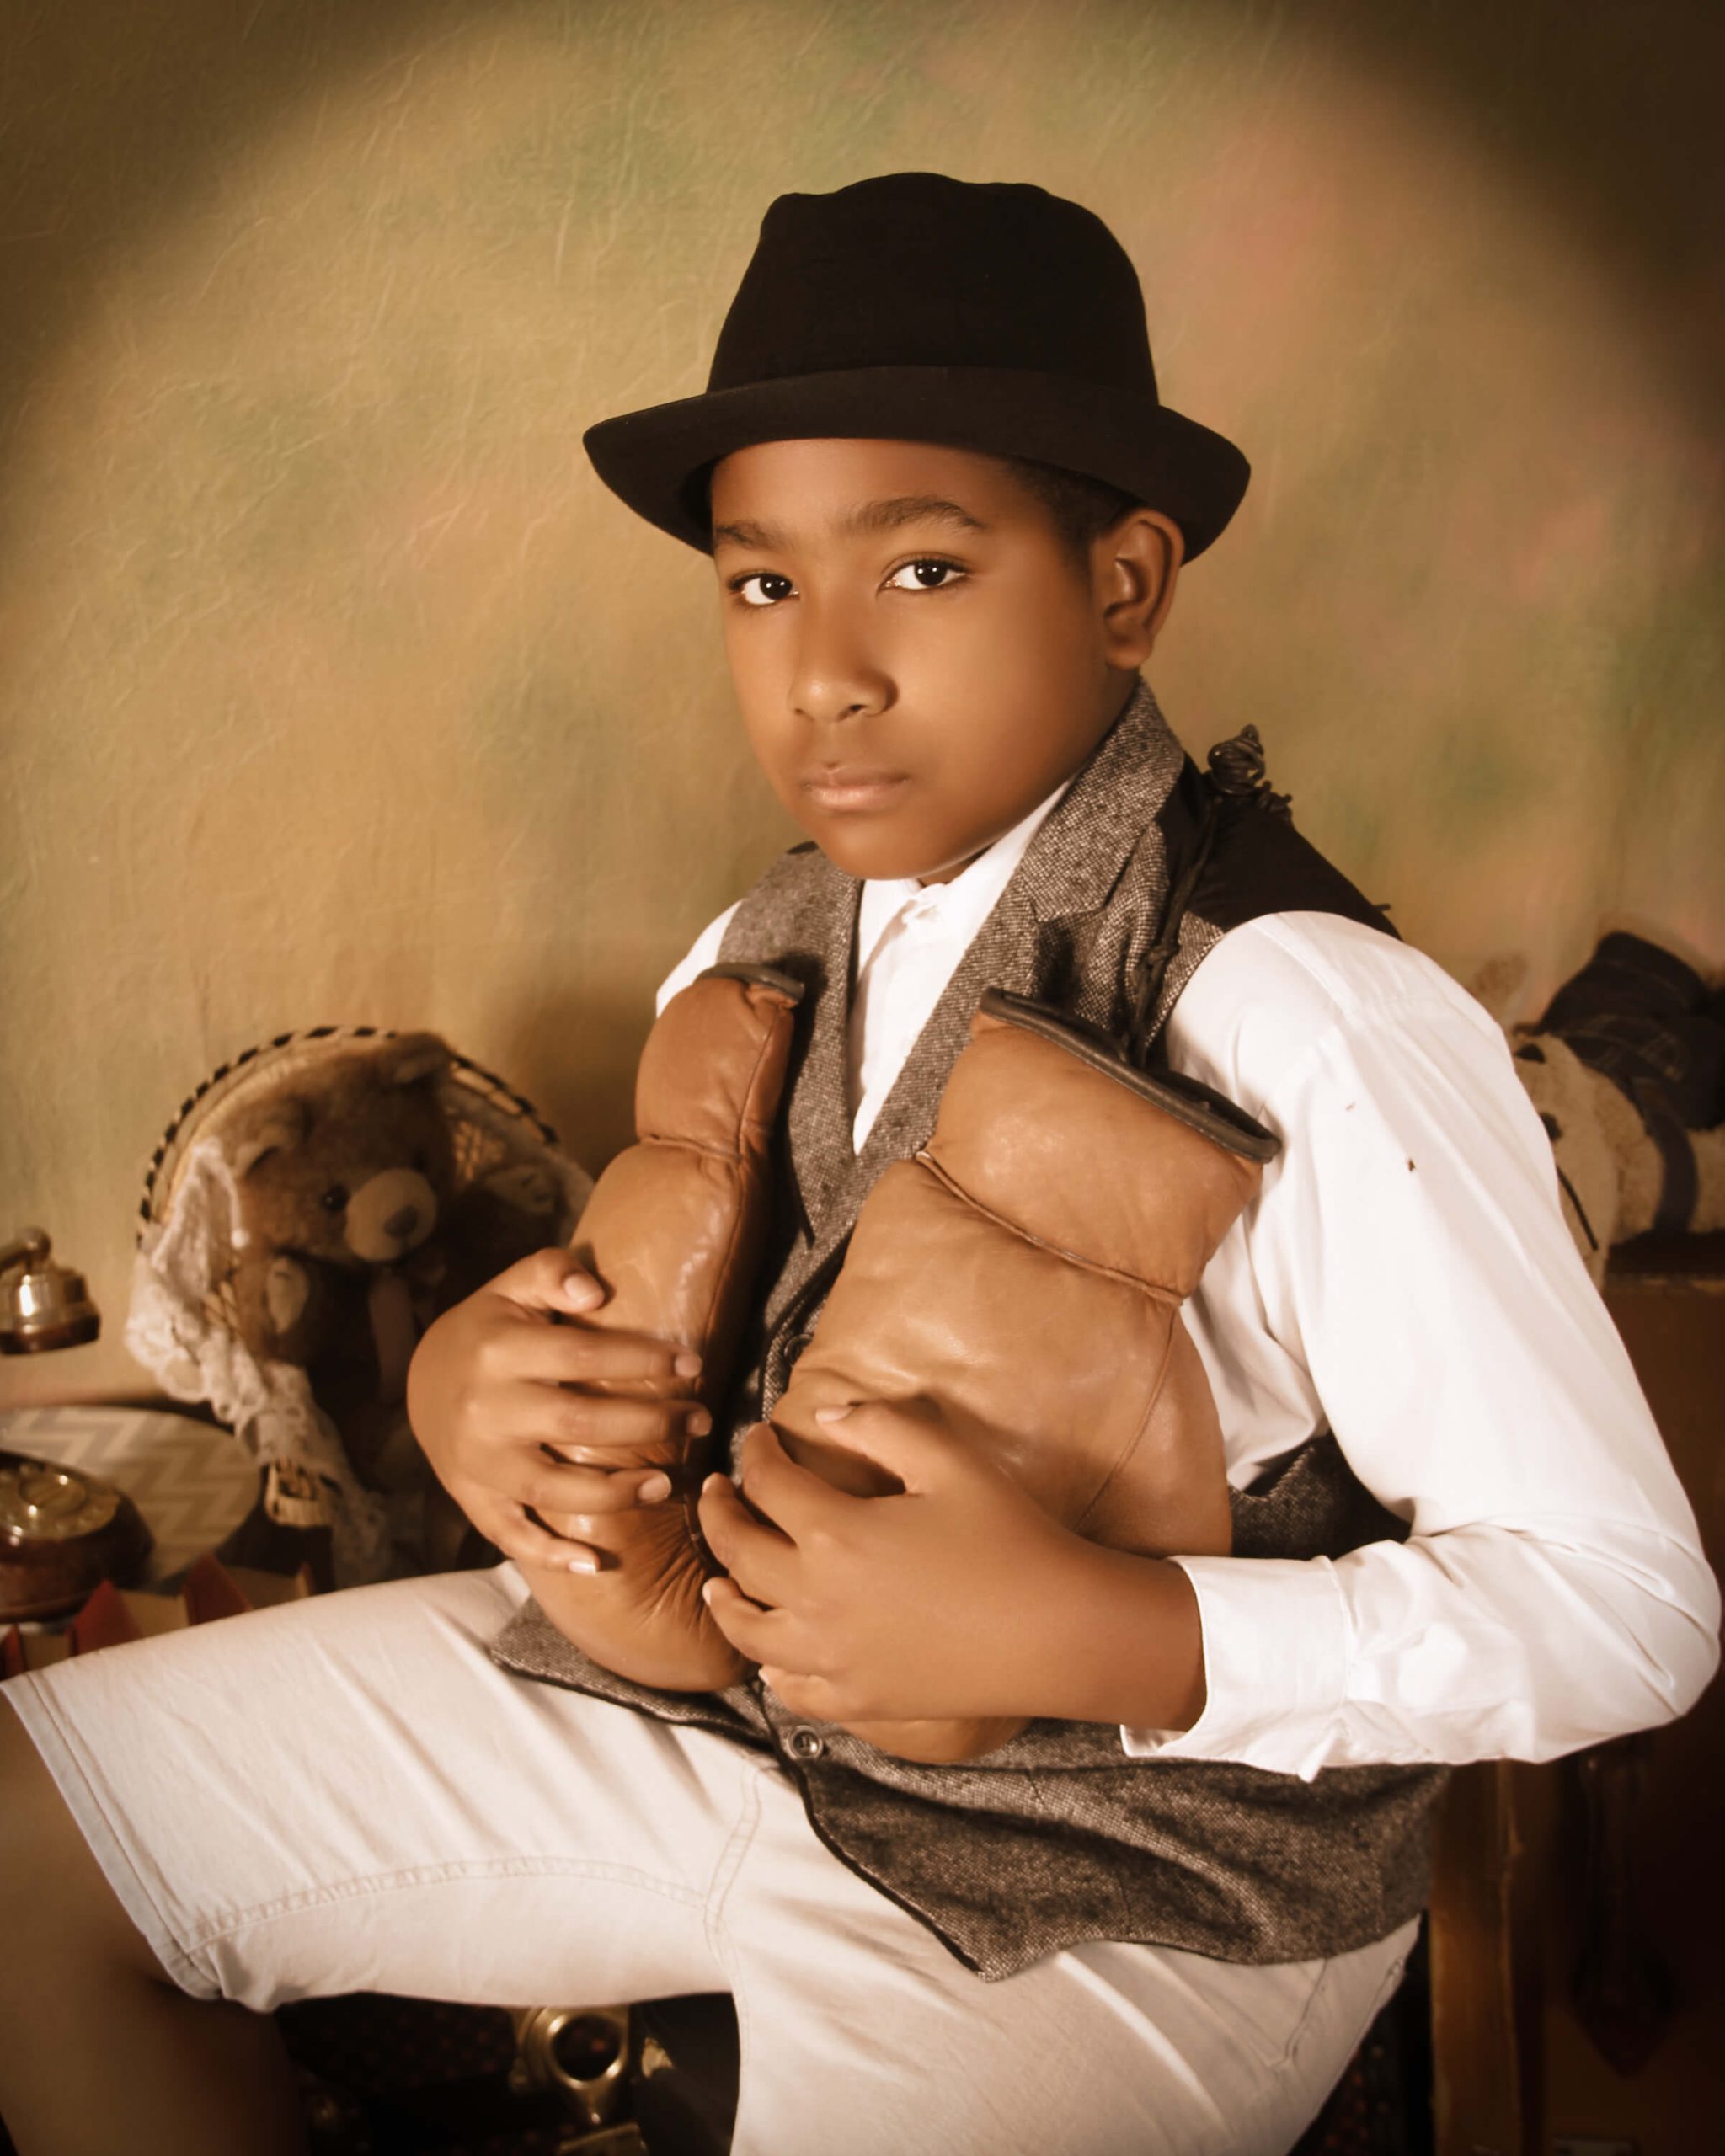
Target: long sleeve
point(1405, 1277)
point(701, 953)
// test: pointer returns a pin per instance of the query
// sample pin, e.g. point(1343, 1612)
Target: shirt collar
point(960, 906)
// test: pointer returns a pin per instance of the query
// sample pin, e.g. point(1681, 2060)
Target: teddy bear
point(354, 1227)
point(1625, 1067)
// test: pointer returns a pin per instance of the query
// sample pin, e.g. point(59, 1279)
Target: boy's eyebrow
point(885, 516)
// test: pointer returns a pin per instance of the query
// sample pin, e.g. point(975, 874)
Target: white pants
point(347, 1794)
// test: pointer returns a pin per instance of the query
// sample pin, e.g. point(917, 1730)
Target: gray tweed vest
point(1058, 1837)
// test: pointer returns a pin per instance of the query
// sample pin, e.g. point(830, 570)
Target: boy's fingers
point(531, 1543)
point(552, 1281)
point(792, 1497)
point(758, 1557)
point(578, 1425)
point(812, 1696)
point(751, 1630)
point(524, 1472)
point(575, 1354)
point(621, 1443)
point(904, 1437)
point(563, 1489)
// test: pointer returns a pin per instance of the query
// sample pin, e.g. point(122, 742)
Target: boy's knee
point(55, 1899)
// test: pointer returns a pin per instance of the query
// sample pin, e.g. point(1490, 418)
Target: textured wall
point(333, 687)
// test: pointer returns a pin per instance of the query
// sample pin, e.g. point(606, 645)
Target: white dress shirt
point(1405, 1278)
point(910, 939)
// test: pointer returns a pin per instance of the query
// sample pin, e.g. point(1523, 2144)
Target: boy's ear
point(1136, 564)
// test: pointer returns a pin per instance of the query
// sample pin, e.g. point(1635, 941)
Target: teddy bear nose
point(402, 1222)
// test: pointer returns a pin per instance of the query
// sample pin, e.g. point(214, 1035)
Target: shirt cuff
point(1275, 1666)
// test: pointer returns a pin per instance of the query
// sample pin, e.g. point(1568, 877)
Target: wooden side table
point(1577, 1925)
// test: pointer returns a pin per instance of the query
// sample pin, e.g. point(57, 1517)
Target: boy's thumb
point(902, 1436)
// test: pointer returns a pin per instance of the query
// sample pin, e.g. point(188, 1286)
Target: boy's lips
point(851, 786)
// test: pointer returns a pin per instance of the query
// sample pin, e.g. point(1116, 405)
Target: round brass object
point(52, 1503)
point(61, 1533)
point(580, 2051)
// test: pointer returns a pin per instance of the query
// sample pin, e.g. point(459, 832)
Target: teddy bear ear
point(415, 1057)
point(286, 1124)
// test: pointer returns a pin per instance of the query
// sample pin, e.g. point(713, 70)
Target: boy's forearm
point(1119, 1640)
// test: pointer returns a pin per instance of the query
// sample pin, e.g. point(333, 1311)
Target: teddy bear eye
point(335, 1198)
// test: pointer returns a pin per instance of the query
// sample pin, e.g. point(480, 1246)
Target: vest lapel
point(821, 1156)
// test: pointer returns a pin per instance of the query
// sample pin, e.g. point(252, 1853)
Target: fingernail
point(583, 1563)
point(700, 1422)
point(712, 1482)
point(580, 1293)
point(706, 1587)
point(833, 1414)
point(687, 1365)
point(655, 1489)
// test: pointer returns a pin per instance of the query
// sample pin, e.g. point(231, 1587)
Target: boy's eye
point(928, 575)
point(772, 588)
point(767, 588)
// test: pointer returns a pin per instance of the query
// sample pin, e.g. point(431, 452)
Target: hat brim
point(655, 460)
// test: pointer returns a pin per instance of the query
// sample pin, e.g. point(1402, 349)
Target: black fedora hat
point(915, 307)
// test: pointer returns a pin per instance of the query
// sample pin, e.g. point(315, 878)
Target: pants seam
point(177, 1958)
point(1386, 1986)
point(435, 1875)
point(1319, 1985)
point(727, 1868)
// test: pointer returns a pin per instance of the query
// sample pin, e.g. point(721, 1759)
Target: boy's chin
point(874, 861)
point(867, 847)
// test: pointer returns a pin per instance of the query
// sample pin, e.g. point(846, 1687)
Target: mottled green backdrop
point(333, 687)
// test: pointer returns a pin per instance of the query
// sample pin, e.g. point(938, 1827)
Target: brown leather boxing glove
point(1025, 1272)
point(675, 1229)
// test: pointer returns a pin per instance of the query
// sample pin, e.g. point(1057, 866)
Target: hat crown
point(989, 317)
point(919, 269)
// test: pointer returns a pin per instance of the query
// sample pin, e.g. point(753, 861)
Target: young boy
point(948, 516)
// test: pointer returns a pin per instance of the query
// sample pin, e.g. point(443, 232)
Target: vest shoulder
point(786, 907)
point(1257, 863)
point(1261, 862)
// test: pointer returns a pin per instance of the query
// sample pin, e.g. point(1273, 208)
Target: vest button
point(805, 1744)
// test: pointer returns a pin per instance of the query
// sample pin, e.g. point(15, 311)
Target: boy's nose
point(830, 709)
point(836, 677)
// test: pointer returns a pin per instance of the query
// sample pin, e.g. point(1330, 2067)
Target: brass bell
point(43, 1305)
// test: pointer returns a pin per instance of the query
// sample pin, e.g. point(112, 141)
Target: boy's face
point(917, 657)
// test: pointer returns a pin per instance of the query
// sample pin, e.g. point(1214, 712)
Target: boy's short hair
point(1082, 508)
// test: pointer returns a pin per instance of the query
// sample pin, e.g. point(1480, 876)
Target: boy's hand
point(495, 1396)
point(930, 1602)
point(959, 1597)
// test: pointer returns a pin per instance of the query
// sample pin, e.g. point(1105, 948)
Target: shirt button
point(805, 1744)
